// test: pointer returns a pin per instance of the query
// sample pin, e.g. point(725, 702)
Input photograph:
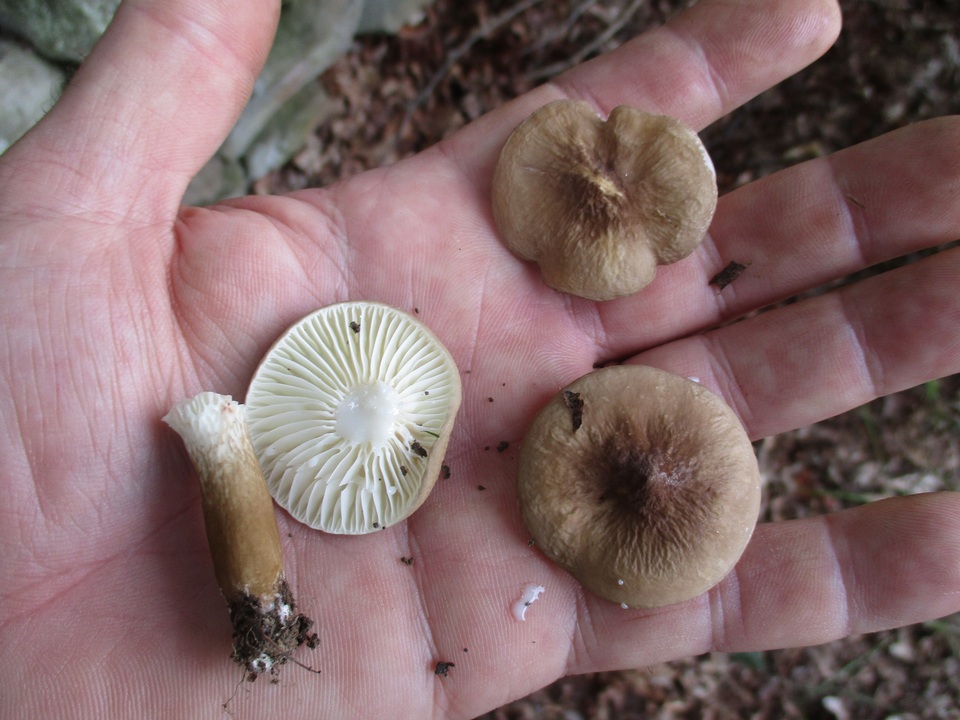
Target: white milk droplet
point(530, 594)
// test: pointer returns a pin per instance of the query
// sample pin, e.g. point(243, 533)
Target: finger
point(802, 582)
point(150, 105)
point(701, 65)
point(811, 360)
point(708, 61)
point(803, 227)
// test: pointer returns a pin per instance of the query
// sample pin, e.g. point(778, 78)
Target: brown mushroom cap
point(599, 204)
point(652, 500)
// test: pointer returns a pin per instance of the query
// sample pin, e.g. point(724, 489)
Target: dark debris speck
point(417, 449)
point(575, 403)
point(443, 667)
point(726, 276)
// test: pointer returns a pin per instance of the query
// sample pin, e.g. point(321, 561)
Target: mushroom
point(652, 500)
point(350, 413)
point(242, 533)
point(599, 204)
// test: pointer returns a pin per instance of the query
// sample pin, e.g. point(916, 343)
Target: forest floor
point(897, 62)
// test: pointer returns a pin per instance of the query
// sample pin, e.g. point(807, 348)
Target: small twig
point(455, 54)
point(563, 30)
point(872, 428)
point(598, 42)
point(839, 678)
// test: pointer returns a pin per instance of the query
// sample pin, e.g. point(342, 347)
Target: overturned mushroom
point(653, 499)
point(350, 413)
point(242, 533)
point(599, 204)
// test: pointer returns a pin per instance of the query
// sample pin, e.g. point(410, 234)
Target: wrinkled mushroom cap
point(599, 204)
point(652, 500)
point(350, 413)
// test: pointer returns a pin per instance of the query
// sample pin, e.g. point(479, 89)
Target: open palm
point(116, 303)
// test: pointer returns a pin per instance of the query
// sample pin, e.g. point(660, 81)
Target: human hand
point(116, 304)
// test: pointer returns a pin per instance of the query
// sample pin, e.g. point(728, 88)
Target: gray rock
point(59, 29)
point(311, 36)
point(288, 130)
point(218, 179)
point(286, 105)
point(28, 88)
point(390, 15)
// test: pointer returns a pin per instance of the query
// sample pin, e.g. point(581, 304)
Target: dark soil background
point(897, 62)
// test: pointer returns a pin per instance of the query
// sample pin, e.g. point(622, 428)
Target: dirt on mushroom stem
point(266, 634)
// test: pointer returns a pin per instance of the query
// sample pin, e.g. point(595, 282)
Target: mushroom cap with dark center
point(598, 204)
point(652, 500)
point(350, 413)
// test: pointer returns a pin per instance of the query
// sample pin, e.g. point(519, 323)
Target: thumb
point(151, 104)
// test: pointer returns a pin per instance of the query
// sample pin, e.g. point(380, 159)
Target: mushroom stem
point(242, 533)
